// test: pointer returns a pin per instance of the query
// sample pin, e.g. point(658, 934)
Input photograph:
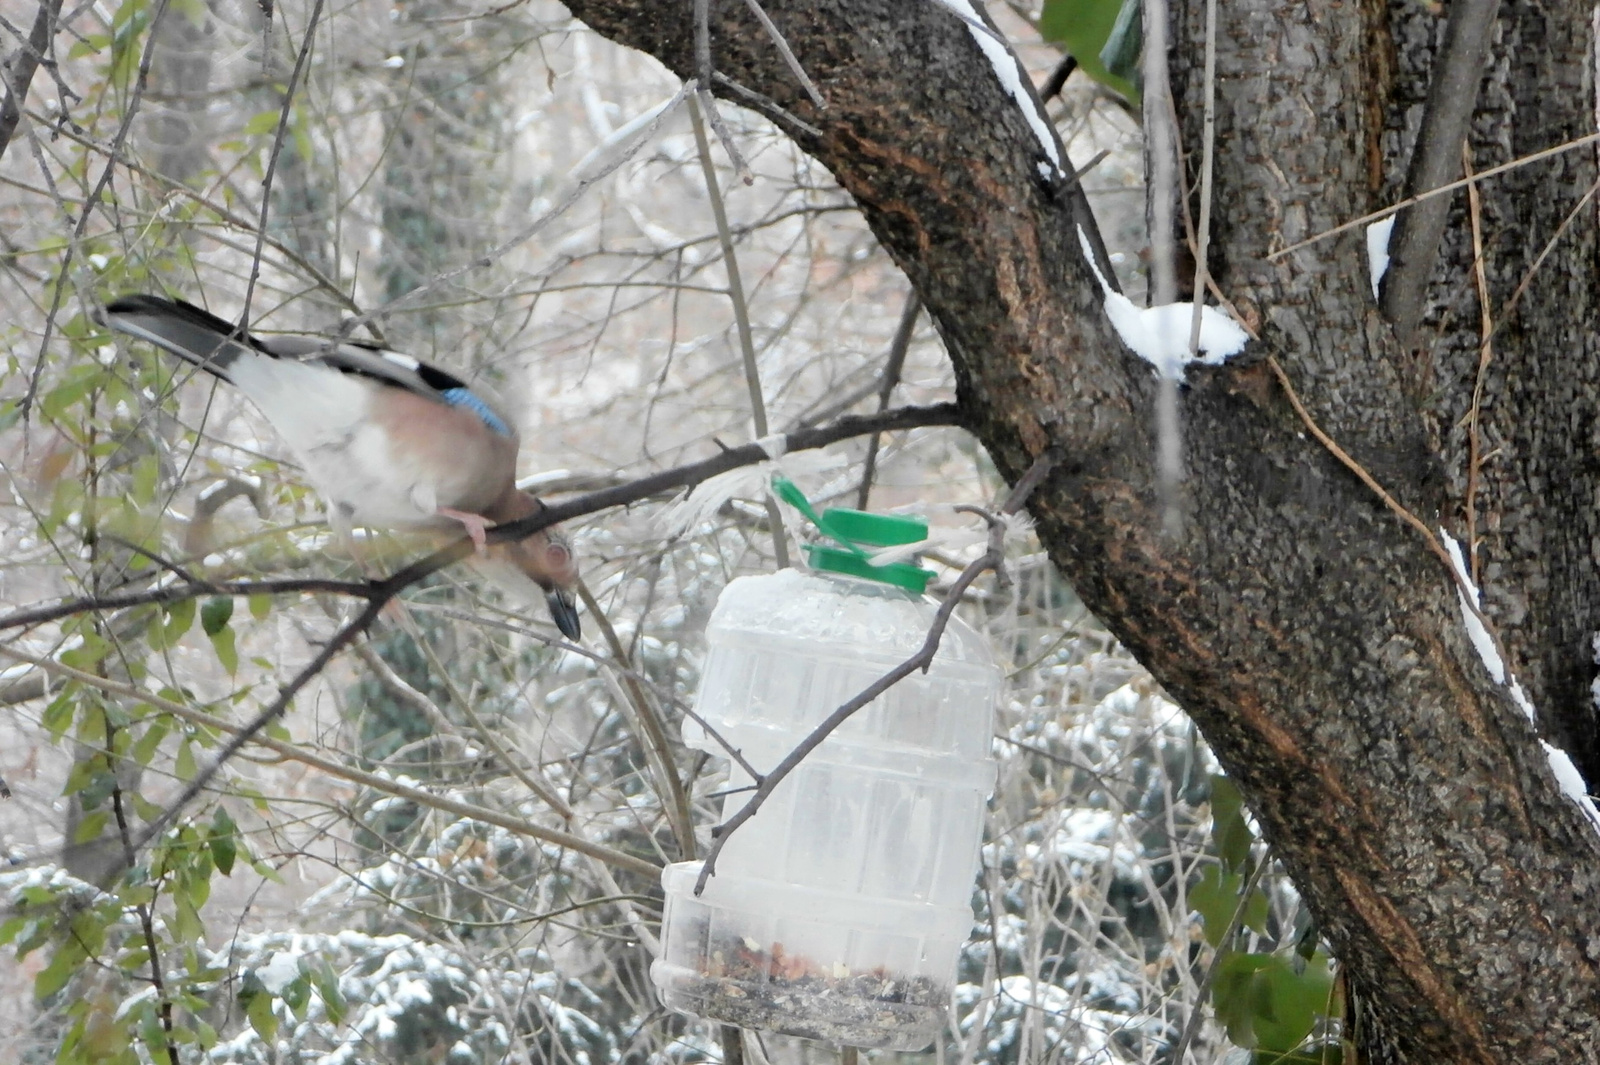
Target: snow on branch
point(1566, 773)
point(1009, 70)
point(1160, 335)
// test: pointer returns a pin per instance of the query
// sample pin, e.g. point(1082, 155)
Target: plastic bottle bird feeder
point(839, 910)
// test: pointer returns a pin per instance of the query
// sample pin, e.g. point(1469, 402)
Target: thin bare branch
point(272, 159)
point(19, 77)
point(886, 386)
point(702, 89)
point(1161, 162)
point(1485, 356)
point(1435, 161)
point(741, 314)
point(1493, 171)
point(1208, 140)
point(788, 55)
point(652, 737)
point(295, 753)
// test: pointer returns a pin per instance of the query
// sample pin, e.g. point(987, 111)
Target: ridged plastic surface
point(838, 911)
point(786, 649)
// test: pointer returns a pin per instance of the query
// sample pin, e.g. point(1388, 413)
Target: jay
point(390, 441)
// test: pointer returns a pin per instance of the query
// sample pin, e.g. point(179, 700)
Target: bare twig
point(652, 737)
point(1436, 160)
point(788, 55)
point(272, 159)
point(918, 662)
point(1191, 1026)
point(803, 439)
point(19, 77)
point(1485, 356)
point(741, 314)
point(1493, 171)
point(702, 89)
point(765, 103)
point(886, 386)
point(177, 593)
point(1161, 148)
point(60, 287)
point(1207, 149)
point(1058, 78)
point(378, 782)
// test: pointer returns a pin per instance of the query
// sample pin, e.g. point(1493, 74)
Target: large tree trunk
point(1315, 637)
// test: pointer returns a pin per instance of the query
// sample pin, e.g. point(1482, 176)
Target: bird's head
point(541, 564)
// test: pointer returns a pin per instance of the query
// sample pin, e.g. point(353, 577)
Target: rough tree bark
point(1313, 636)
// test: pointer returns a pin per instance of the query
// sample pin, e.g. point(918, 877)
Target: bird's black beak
point(564, 611)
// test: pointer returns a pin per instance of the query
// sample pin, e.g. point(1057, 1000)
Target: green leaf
point(258, 1008)
point(1233, 994)
point(224, 847)
point(58, 715)
point(185, 920)
point(264, 122)
point(297, 993)
point(149, 742)
point(1082, 27)
point(1269, 1001)
point(180, 616)
point(327, 984)
point(184, 765)
point(227, 652)
point(1216, 897)
point(1228, 826)
point(260, 606)
point(215, 614)
point(92, 825)
point(68, 957)
point(1290, 999)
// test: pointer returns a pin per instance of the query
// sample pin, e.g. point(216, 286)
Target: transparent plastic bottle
point(839, 910)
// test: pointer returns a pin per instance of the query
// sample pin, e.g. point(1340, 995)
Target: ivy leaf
point(1216, 896)
point(1228, 827)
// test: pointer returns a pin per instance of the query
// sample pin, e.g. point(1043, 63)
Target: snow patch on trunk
point(1160, 335)
point(1378, 250)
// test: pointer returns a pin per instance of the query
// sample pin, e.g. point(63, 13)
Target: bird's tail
point(193, 335)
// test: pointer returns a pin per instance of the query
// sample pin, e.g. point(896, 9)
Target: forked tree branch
point(20, 77)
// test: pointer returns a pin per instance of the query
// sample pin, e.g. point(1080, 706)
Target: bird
point(390, 441)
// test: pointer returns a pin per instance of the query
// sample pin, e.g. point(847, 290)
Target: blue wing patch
point(464, 397)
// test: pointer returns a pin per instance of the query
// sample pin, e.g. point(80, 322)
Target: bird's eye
point(558, 554)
